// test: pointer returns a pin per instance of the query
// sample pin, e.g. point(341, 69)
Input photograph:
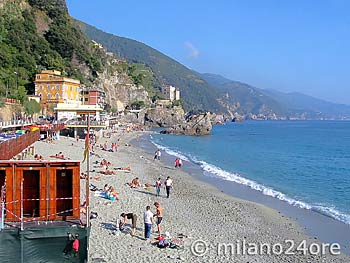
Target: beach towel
point(104, 195)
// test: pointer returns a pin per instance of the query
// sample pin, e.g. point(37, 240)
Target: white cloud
point(194, 52)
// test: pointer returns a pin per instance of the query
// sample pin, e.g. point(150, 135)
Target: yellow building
point(53, 88)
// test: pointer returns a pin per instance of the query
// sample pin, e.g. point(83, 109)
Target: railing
point(14, 123)
point(84, 123)
point(52, 127)
point(12, 147)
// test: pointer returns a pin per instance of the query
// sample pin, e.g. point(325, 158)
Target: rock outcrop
point(193, 125)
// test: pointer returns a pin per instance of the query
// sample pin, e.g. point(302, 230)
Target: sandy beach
point(207, 225)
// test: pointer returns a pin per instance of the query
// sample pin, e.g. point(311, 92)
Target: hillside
point(197, 94)
point(290, 105)
point(299, 104)
point(245, 98)
point(39, 34)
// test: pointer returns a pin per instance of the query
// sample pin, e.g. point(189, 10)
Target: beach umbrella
point(20, 131)
point(34, 129)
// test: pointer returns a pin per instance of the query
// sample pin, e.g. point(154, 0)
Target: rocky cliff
point(192, 125)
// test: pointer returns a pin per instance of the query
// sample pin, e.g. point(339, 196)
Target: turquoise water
point(304, 163)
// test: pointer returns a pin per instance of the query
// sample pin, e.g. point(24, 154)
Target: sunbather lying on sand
point(59, 156)
point(112, 193)
point(125, 169)
point(107, 172)
point(38, 157)
point(134, 183)
point(84, 176)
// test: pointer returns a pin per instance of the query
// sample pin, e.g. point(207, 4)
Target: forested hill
point(39, 34)
point(197, 94)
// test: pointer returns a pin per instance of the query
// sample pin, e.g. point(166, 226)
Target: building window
point(71, 88)
point(48, 87)
point(48, 96)
point(57, 87)
point(57, 96)
point(41, 87)
point(40, 95)
point(86, 99)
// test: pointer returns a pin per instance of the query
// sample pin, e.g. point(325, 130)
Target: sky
point(290, 45)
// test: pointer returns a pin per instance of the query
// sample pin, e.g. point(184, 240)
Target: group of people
point(168, 185)
point(178, 163)
point(157, 154)
point(148, 218)
point(114, 147)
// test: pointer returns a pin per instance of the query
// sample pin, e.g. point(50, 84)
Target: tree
point(31, 107)
point(138, 104)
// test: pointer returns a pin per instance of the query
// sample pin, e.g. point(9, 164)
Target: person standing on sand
point(148, 220)
point(176, 163)
point(158, 185)
point(157, 155)
point(168, 185)
point(159, 215)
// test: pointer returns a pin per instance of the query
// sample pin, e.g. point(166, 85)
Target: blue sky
point(297, 45)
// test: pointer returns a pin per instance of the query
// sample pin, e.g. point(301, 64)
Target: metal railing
point(14, 123)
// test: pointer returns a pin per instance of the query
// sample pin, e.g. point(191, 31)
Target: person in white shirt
point(148, 220)
point(168, 185)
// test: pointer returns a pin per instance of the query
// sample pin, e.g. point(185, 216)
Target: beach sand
point(198, 211)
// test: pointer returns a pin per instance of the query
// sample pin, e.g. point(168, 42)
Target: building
point(170, 93)
point(93, 96)
point(71, 111)
point(53, 88)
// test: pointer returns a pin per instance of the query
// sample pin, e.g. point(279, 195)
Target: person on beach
point(157, 154)
point(159, 215)
point(135, 183)
point(168, 185)
point(180, 163)
point(148, 221)
point(176, 163)
point(158, 185)
point(133, 218)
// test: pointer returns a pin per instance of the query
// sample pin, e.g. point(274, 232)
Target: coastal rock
point(194, 125)
point(164, 117)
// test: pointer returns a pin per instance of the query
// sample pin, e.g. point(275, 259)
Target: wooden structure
point(41, 190)
point(12, 147)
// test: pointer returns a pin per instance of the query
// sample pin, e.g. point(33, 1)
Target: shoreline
point(316, 225)
point(195, 208)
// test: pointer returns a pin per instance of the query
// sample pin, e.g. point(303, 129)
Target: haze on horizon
point(290, 46)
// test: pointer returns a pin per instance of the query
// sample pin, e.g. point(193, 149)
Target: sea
point(303, 163)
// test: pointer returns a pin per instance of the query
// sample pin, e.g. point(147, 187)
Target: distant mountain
point(196, 93)
point(298, 103)
point(244, 98)
point(291, 105)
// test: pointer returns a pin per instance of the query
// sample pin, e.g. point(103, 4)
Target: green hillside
point(38, 34)
point(196, 93)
